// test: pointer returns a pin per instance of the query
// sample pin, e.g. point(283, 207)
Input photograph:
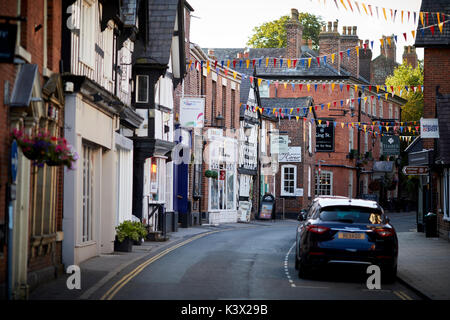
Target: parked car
point(339, 230)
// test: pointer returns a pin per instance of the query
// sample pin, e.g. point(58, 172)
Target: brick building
point(437, 105)
point(32, 100)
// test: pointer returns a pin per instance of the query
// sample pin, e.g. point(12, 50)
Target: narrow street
point(250, 263)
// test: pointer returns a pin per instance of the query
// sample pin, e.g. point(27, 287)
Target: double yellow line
point(118, 285)
point(402, 295)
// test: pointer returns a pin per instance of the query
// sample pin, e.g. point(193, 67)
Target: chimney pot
point(329, 26)
point(344, 29)
point(294, 14)
point(354, 30)
point(335, 26)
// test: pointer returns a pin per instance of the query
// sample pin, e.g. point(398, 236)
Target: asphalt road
point(250, 263)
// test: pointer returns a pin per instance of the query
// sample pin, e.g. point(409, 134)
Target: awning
point(23, 86)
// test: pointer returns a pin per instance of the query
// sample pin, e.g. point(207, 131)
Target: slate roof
point(424, 37)
point(271, 71)
point(160, 28)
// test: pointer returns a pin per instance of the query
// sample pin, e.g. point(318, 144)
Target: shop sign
point(279, 144)
point(192, 112)
point(391, 145)
point(429, 128)
point(324, 138)
point(294, 154)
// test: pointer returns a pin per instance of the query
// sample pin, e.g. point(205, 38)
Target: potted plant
point(126, 233)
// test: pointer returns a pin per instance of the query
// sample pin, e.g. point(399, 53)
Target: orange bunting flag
point(289, 63)
point(297, 118)
point(350, 5)
point(309, 62)
point(248, 62)
point(357, 51)
point(356, 87)
point(342, 1)
point(378, 88)
point(413, 33)
point(285, 85)
point(308, 86)
point(387, 128)
point(441, 24)
point(259, 81)
point(332, 86)
point(320, 121)
point(421, 18)
point(365, 9)
point(386, 95)
point(267, 62)
point(381, 43)
point(332, 58)
point(328, 105)
point(384, 13)
point(342, 124)
point(234, 74)
point(402, 16)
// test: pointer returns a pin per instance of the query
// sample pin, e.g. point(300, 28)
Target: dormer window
point(142, 89)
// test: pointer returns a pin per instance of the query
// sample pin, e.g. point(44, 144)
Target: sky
point(229, 23)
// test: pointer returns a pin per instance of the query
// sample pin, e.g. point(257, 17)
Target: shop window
point(222, 195)
point(324, 183)
point(288, 180)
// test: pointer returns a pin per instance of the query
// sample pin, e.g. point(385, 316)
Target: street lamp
point(219, 120)
point(247, 130)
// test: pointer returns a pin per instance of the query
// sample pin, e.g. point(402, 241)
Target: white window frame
point(366, 141)
point(309, 181)
point(350, 139)
point(446, 197)
point(88, 192)
point(374, 108)
point(108, 49)
point(283, 181)
point(318, 190)
point(309, 138)
point(350, 184)
point(137, 88)
point(87, 33)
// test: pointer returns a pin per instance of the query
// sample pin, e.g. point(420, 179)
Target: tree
point(403, 75)
point(273, 34)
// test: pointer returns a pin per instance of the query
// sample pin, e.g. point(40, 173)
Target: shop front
point(222, 183)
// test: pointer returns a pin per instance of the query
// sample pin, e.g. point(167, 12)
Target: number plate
point(350, 235)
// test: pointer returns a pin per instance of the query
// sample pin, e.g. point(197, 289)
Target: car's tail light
point(384, 232)
point(317, 229)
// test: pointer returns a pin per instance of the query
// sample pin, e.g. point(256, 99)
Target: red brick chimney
point(410, 56)
point(389, 50)
point(349, 40)
point(294, 35)
point(330, 42)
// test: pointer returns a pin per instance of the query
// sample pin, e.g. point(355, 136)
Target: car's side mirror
point(387, 220)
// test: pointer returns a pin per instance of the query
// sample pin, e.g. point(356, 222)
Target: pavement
point(423, 263)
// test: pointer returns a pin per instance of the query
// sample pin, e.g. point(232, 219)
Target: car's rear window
point(351, 214)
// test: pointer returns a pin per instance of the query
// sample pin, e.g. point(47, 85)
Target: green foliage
point(273, 34)
point(406, 75)
point(134, 230)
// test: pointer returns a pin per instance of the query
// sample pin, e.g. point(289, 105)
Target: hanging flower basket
point(211, 174)
point(374, 185)
point(42, 148)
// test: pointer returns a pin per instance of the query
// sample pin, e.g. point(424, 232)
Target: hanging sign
point(391, 145)
point(429, 128)
point(324, 138)
point(415, 170)
point(294, 154)
point(192, 112)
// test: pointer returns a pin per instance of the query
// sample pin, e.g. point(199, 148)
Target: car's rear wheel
point(303, 271)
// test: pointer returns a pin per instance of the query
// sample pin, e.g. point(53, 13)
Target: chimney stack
point(410, 56)
point(294, 35)
point(329, 42)
point(349, 40)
